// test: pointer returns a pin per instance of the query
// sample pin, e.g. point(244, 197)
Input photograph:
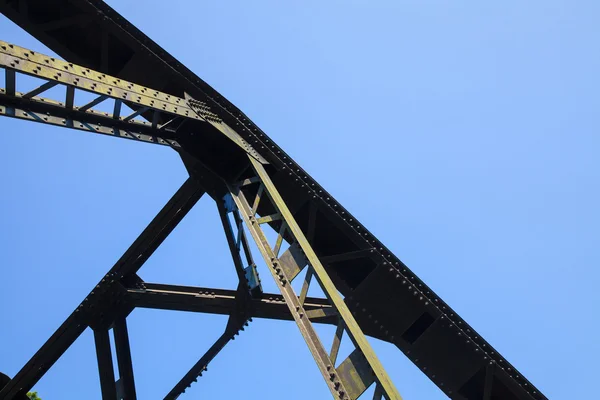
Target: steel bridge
point(257, 187)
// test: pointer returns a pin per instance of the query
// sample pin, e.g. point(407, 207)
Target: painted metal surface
point(380, 287)
point(354, 331)
point(15, 59)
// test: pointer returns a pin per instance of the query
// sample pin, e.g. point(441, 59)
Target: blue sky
point(463, 134)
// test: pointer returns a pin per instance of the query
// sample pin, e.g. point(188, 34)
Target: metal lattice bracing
point(257, 187)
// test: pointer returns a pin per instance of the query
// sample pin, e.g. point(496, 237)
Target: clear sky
point(463, 134)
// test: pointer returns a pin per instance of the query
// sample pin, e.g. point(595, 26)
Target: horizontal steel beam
point(219, 301)
point(55, 113)
point(235, 324)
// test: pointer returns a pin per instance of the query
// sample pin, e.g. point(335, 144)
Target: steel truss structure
point(256, 187)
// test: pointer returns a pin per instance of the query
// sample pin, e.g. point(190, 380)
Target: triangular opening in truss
point(278, 364)
point(166, 344)
point(37, 87)
point(266, 279)
point(411, 382)
point(94, 103)
point(195, 253)
point(135, 115)
point(62, 378)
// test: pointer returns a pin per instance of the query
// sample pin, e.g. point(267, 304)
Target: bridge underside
point(255, 184)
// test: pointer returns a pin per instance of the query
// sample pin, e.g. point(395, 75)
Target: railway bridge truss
point(260, 192)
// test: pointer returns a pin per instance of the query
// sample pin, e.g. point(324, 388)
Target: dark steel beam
point(18, 59)
point(40, 89)
point(41, 66)
point(158, 230)
point(378, 394)
point(105, 365)
point(52, 113)
point(298, 311)
point(123, 350)
point(199, 367)
point(337, 340)
point(10, 81)
point(148, 241)
point(22, 6)
point(233, 326)
point(347, 320)
point(217, 301)
point(93, 103)
point(21, 17)
point(155, 67)
point(346, 256)
point(236, 322)
point(70, 98)
point(489, 380)
point(135, 114)
point(44, 358)
point(65, 22)
point(231, 242)
point(63, 112)
point(242, 237)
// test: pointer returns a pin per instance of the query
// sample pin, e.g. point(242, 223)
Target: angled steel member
point(382, 297)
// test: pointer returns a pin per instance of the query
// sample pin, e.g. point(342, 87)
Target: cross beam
point(220, 301)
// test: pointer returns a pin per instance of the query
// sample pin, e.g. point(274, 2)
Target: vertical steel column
point(378, 394)
point(489, 380)
point(105, 365)
point(231, 242)
point(11, 79)
point(124, 359)
point(44, 358)
point(248, 278)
